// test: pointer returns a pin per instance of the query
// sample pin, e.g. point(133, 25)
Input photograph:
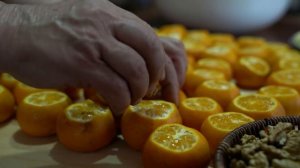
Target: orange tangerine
point(250, 41)
point(175, 145)
point(139, 121)
point(22, 90)
point(251, 72)
point(194, 48)
point(7, 104)
point(287, 96)
point(215, 64)
point(257, 106)
point(195, 110)
point(257, 51)
point(287, 63)
point(288, 77)
point(198, 76)
point(221, 91)
point(217, 126)
point(175, 31)
point(86, 126)
point(182, 96)
point(276, 46)
point(38, 112)
point(199, 36)
point(220, 51)
point(222, 38)
point(191, 60)
point(196, 41)
point(8, 81)
point(277, 55)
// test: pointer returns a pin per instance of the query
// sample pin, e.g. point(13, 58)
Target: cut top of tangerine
point(200, 103)
point(218, 84)
point(45, 98)
point(175, 137)
point(157, 109)
point(218, 50)
point(256, 65)
point(290, 63)
point(290, 76)
point(228, 121)
point(255, 102)
point(278, 91)
point(209, 73)
point(213, 62)
point(85, 111)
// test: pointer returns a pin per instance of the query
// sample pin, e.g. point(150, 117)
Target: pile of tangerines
point(211, 102)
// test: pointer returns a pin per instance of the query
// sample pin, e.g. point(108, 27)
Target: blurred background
point(275, 20)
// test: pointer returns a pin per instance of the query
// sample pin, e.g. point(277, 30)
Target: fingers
point(130, 66)
point(111, 87)
point(170, 85)
point(176, 53)
point(142, 39)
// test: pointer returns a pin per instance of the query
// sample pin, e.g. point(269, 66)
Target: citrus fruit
point(222, 38)
point(250, 41)
point(175, 31)
point(175, 145)
point(140, 120)
point(288, 77)
point(38, 112)
point(257, 51)
point(251, 72)
point(85, 126)
point(8, 81)
point(220, 51)
point(198, 76)
point(195, 110)
point(217, 126)
point(277, 55)
point(215, 64)
point(198, 36)
point(257, 106)
point(221, 91)
point(7, 104)
point(287, 63)
point(182, 96)
point(287, 96)
point(22, 90)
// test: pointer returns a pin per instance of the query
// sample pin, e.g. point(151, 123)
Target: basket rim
point(220, 160)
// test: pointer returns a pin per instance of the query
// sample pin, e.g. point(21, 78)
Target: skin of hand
point(90, 43)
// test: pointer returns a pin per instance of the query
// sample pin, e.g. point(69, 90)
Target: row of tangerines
point(87, 126)
point(251, 61)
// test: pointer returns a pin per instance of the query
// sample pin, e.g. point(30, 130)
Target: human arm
point(88, 43)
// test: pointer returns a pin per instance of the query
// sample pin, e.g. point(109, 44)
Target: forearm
point(17, 19)
point(7, 34)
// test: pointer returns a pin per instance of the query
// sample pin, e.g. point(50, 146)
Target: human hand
point(94, 44)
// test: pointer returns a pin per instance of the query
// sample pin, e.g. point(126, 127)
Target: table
point(18, 150)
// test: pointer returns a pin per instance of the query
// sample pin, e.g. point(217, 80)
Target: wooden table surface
point(18, 150)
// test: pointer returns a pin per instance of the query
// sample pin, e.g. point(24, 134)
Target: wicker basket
point(253, 128)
